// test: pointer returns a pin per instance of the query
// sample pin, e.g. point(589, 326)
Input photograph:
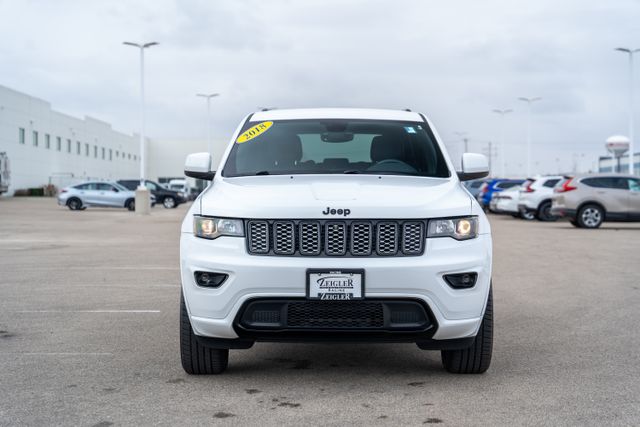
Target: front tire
point(130, 205)
point(169, 202)
point(477, 358)
point(544, 212)
point(74, 204)
point(197, 359)
point(590, 216)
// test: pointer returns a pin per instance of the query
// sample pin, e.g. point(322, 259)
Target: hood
point(332, 196)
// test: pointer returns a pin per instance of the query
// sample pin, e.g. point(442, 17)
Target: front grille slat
point(335, 238)
point(317, 314)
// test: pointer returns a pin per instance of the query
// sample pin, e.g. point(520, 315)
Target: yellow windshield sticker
point(254, 132)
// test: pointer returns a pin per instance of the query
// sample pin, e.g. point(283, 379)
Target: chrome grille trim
point(336, 238)
point(387, 238)
point(258, 237)
point(413, 238)
point(284, 242)
point(361, 238)
point(310, 238)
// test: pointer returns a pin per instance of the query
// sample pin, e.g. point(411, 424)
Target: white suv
point(336, 225)
point(535, 197)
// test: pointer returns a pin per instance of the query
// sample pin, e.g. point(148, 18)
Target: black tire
point(575, 223)
point(197, 359)
point(544, 212)
point(516, 215)
point(74, 204)
point(590, 216)
point(130, 204)
point(477, 358)
point(169, 202)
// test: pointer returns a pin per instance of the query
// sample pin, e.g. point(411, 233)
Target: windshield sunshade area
point(335, 146)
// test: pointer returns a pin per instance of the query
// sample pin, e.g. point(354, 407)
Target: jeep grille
point(358, 238)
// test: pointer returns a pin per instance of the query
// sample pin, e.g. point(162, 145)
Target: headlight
point(458, 228)
point(212, 228)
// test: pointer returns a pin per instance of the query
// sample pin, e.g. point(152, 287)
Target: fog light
point(461, 280)
point(209, 279)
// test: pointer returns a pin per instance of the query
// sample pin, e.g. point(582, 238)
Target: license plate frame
point(340, 292)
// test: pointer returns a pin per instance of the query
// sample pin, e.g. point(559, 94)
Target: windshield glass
point(331, 146)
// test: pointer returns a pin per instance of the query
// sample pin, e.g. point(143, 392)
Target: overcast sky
point(454, 61)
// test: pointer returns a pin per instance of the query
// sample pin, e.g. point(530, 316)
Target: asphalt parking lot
point(89, 336)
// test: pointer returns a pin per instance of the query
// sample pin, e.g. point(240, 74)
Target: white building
point(609, 164)
point(45, 146)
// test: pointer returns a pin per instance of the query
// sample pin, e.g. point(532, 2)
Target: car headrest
point(384, 147)
point(286, 149)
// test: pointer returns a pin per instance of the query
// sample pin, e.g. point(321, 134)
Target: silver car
point(589, 200)
point(103, 194)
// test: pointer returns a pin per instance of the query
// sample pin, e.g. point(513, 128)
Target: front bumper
point(454, 313)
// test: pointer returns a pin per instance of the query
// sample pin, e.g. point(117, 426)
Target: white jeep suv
point(335, 225)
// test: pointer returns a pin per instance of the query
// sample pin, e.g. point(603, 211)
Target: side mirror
point(474, 166)
point(198, 165)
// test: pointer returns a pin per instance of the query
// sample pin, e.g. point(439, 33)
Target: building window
point(86, 149)
point(110, 154)
point(78, 147)
point(47, 141)
point(117, 154)
point(35, 138)
point(103, 153)
point(21, 136)
point(68, 146)
point(58, 143)
point(129, 156)
point(95, 151)
point(134, 157)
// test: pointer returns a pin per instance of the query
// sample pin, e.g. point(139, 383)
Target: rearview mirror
point(198, 165)
point(474, 166)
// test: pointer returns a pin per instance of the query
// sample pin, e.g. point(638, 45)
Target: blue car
point(495, 185)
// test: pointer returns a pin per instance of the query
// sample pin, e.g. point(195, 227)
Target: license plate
point(335, 284)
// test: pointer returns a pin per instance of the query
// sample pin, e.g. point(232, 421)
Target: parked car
point(5, 173)
point(506, 202)
point(495, 185)
point(182, 187)
point(98, 193)
point(535, 197)
point(311, 204)
point(474, 186)
point(168, 198)
point(589, 200)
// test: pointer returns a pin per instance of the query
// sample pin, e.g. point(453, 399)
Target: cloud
point(456, 61)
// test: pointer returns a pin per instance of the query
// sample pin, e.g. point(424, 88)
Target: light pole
point(142, 194)
point(630, 52)
point(502, 113)
point(208, 97)
point(529, 101)
point(465, 140)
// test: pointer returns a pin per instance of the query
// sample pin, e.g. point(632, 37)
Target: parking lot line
point(53, 354)
point(87, 311)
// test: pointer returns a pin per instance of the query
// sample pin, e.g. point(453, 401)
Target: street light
point(529, 101)
point(142, 195)
point(465, 139)
point(208, 96)
point(502, 156)
point(630, 52)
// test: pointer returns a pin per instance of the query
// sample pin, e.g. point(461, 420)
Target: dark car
point(495, 186)
point(474, 186)
point(168, 198)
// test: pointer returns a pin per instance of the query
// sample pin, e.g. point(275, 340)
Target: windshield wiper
point(262, 173)
point(351, 171)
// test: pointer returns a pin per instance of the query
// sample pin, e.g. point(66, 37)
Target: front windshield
point(335, 146)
